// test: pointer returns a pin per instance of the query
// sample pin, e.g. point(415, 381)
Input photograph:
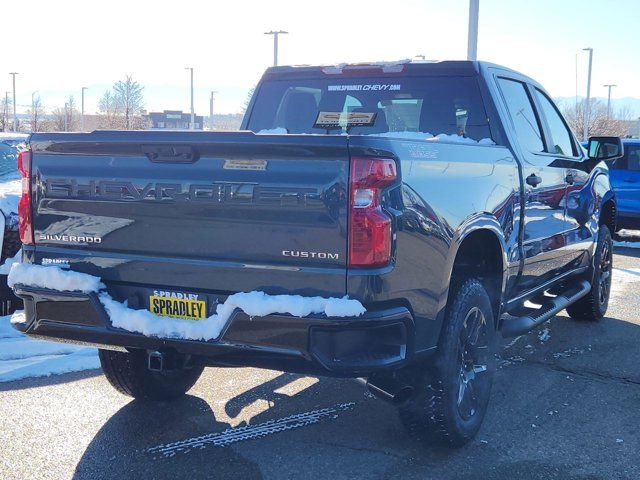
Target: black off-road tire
point(127, 372)
point(435, 412)
point(593, 306)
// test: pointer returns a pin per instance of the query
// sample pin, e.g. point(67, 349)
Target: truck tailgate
point(196, 210)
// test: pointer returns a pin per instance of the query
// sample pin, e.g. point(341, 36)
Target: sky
point(65, 45)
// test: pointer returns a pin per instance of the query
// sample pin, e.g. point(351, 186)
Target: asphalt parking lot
point(565, 405)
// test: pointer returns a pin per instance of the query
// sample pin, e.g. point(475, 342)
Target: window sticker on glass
point(365, 87)
point(344, 119)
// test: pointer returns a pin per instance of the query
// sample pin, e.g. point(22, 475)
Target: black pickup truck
point(450, 199)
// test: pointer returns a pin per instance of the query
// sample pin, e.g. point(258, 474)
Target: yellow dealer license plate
point(178, 307)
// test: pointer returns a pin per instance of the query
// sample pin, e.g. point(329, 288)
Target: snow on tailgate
point(53, 277)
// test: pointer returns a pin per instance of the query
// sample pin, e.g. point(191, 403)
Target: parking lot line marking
point(249, 432)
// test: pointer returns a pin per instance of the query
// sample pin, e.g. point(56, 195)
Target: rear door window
point(561, 142)
point(631, 158)
point(522, 113)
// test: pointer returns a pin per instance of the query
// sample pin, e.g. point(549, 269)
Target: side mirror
point(605, 148)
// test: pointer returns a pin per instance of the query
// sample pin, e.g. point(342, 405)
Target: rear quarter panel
point(447, 191)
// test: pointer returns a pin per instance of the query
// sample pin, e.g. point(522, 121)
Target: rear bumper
point(345, 347)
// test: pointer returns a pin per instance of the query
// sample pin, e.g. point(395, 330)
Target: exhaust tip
point(389, 389)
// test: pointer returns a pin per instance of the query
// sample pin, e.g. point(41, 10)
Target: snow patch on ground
point(22, 357)
point(622, 280)
point(544, 335)
point(627, 238)
point(626, 244)
point(570, 352)
point(5, 268)
point(53, 277)
point(46, 365)
point(10, 191)
point(6, 330)
point(143, 321)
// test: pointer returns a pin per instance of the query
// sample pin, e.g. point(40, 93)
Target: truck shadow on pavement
point(119, 448)
point(137, 440)
point(561, 407)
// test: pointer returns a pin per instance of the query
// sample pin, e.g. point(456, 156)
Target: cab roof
point(405, 67)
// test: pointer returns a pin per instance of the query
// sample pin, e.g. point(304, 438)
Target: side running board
point(550, 306)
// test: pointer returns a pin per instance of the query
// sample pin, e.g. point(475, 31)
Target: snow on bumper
point(144, 322)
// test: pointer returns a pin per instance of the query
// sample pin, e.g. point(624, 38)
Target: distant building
point(174, 120)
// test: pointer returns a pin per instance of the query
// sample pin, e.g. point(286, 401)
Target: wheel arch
point(479, 250)
point(609, 212)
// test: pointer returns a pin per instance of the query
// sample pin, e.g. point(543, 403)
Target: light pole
point(609, 99)
point(82, 109)
point(472, 42)
point(576, 85)
point(15, 116)
point(275, 44)
point(211, 110)
point(193, 115)
point(34, 126)
point(587, 109)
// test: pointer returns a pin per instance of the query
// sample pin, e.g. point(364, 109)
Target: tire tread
point(425, 415)
point(127, 372)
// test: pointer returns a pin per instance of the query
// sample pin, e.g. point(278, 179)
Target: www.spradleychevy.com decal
point(365, 87)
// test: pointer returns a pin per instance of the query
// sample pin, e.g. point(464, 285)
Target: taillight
point(24, 205)
point(369, 225)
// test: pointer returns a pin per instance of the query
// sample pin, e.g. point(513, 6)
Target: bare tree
point(71, 112)
point(64, 118)
point(110, 114)
point(599, 122)
point(37, 113)
point(129, 100)
point(5, 111)
point(58, 122)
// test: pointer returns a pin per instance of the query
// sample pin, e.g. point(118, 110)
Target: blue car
point(625, 180)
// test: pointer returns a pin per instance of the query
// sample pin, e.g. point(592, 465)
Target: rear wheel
point(593, 306)
point(452, 393)
point(128, 373)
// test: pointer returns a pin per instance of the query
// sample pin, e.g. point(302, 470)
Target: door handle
point(570, 178)
point(534, 180)
point(630, 180)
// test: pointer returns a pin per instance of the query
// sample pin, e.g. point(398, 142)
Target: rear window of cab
point(450, 105)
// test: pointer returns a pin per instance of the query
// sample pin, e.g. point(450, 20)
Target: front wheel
point(128, 373)
point(593, 306)
point(451, 395)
